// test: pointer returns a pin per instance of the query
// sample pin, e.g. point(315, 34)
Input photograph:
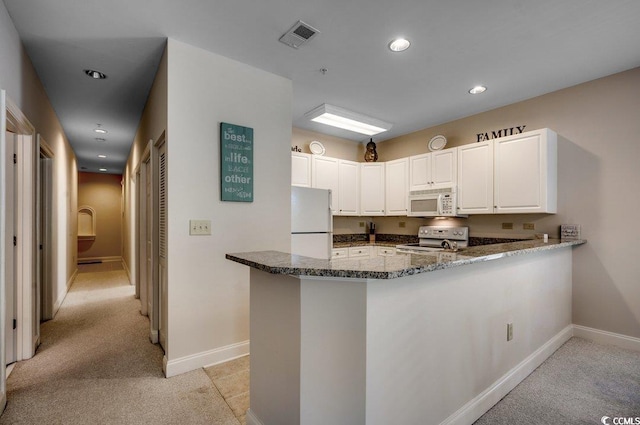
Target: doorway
point(44, 304)
point(19, 284)
point(10, 242)
point(151, 261)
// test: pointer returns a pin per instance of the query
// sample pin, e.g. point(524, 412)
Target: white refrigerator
point(311, 222)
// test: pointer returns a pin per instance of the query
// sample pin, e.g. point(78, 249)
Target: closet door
point(162, 243)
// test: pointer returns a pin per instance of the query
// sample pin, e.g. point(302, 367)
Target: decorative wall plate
point(437, 142)
point(316, 148)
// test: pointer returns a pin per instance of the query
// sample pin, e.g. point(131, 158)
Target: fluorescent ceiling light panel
point(348, 120)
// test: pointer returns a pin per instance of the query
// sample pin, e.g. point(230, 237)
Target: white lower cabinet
point(359, 251)
point(385, 250)
point(339, 253)
point(362, 251)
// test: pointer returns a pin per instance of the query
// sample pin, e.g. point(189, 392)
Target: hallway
point(96, 365)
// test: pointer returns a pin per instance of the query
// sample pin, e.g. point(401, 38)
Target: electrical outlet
point(402, 224)
point(509, 331)
point(529, 226)
point(200, 227)
point(507, 226)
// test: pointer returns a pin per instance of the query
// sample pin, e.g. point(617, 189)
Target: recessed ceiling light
point(100, 139)
point(102, 156)
point(477, 90)
point(103, 169)
point(96, 75)
point(399, 45)
point(100, 130)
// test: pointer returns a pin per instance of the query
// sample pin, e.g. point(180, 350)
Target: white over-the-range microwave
point(433, 203)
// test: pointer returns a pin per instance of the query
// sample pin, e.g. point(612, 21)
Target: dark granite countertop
point(391, 267)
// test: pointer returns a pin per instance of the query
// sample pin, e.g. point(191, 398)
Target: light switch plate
point(570, 231)
point(200, 227)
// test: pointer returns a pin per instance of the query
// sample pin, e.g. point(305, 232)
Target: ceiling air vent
point(299, 34)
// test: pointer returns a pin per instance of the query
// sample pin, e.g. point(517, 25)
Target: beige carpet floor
point(95, 365)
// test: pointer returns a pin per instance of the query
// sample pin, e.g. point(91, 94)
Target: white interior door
point(10, 251)
point(3, 248)
point(141, 260)
point(152, 292)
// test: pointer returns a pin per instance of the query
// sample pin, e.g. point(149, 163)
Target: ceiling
point(519, 49)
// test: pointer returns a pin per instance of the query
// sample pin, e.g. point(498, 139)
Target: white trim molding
point(205, 358)
point(605, 337)
point(60, 299)
point(88, 260)
point(484, 401)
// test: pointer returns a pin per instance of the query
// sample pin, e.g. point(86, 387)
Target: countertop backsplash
point(359, 238)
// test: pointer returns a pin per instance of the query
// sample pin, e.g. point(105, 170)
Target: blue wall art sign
point(236, 163)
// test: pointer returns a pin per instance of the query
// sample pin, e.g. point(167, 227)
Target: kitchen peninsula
point(410, 338)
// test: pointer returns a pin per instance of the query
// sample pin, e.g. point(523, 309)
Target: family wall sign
point(494, 134)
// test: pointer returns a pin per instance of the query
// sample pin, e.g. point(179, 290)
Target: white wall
point(208, 310)
point(19, 79)
point(152, 123)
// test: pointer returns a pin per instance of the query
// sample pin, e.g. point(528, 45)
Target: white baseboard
point(127, 271)
point(252, 419)
point(484, 401)
point(609, 338)
point(102, 259)
point(60, 299)
point(206, 358)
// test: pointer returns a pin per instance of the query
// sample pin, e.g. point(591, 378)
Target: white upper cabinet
point(475, 178)
point(349, 176)
point(444, 166)
point(433, 170)
point(372, 188)
point(420, 172)
point(300, 169)
point(326, 175)
point(397, 186)
point(342, 177)
point(525, 173)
